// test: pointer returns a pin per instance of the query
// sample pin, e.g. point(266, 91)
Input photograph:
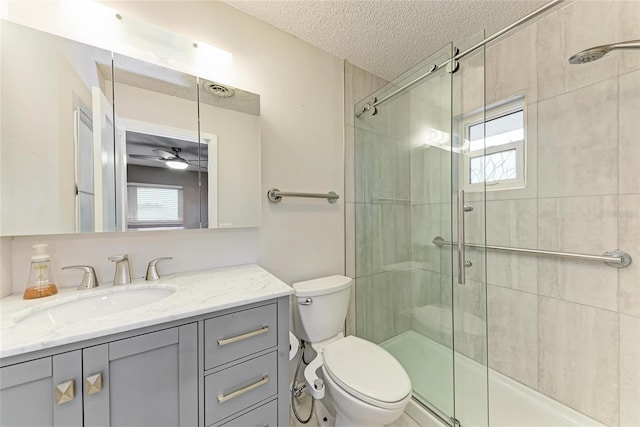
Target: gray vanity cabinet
point(146, 380)
point(42, 392)
point(226, 368)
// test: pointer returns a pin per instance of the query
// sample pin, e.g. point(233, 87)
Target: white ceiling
point(386, 37)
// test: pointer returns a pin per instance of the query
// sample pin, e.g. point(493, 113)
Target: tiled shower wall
point(569, 329)
point(358, 84)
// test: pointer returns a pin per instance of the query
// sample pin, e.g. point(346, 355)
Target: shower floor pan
point(429, 365)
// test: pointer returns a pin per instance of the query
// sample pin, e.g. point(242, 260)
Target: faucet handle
point(152, 271)
point(118, 258)
point(89, 279)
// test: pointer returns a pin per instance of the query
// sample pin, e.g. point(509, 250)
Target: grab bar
point(276, 195)
point(617, 258)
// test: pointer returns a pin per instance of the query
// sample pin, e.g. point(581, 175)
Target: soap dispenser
point(41, 283)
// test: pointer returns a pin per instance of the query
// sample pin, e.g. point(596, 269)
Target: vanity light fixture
point(177, 164)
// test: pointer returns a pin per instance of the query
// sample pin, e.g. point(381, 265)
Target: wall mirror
point(96, 141)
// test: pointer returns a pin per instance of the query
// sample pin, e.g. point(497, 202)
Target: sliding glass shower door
point(411, 141)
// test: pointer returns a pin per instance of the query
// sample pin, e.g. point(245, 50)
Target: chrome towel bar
point(618, 259)
point(274, 195)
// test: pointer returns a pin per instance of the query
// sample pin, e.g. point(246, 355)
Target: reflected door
point(104, 164)
point(85, 196)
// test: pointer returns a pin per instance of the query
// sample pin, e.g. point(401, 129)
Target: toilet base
point(323, 416)
point(327, 415)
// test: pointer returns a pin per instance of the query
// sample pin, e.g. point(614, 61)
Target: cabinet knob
point(93, 383)
point(65, 392)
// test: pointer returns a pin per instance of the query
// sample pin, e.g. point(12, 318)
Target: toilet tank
point(321, 307)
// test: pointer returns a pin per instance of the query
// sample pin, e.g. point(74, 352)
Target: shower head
point(598, 52)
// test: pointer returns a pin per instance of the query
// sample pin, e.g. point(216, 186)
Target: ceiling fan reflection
point(172, 160)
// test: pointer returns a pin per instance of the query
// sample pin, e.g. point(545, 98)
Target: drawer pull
point(65, 392)
point(225, 341)
point(222, 398)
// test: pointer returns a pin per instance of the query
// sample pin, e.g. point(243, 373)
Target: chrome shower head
point(588, 55)
point(598, 52)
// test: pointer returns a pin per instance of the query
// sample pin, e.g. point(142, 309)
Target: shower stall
point(494, 215)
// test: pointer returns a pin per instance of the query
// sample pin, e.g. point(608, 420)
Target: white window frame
point(492, 112)
point(154, 224)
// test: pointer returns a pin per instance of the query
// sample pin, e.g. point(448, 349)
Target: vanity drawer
point(263, 416)
point(239, 334)
point(233, 389)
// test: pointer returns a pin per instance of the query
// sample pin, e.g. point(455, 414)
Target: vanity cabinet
point(221, 369)
point(30, 392)
point(148, 380)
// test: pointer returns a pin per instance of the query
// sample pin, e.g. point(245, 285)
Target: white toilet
point(357, 382)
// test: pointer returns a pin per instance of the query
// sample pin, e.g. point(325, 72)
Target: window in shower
point(494, 148)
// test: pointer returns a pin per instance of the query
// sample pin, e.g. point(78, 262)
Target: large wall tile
point(469, 319)
point(392, 117)
point(511, 67)
point(629, 371)
point(578, 357)
point(431, 313)
point(350, 239)
point(629, 145)
point(630, 30)
point(430, 175)
point(469, 84)
point(583, 225)
point(358, 84)
point(629, 241)
point(427, 223)
point(578, 281)
point(513, 334)
point(383, 304)
point(349, 164)
point(579, 25)
point(513, 224)
point(382, 237)
point(578, 142)
point(430, 128)
point(382, 168)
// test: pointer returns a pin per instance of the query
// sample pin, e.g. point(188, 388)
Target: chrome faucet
point(152, 270)
point(89, 279)
point(123, 275)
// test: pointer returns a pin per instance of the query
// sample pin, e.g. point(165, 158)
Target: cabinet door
point(148, 380)
point(42, 392)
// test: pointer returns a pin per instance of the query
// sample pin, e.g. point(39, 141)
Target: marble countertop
point(194, 293)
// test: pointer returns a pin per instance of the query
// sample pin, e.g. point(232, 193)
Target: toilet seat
point(367, 372)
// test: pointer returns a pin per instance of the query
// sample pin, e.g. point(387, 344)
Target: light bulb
point(177, 164)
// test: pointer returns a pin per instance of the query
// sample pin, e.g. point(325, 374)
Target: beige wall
point(302, 150)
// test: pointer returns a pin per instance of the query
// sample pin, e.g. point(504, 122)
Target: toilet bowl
point(357, 382)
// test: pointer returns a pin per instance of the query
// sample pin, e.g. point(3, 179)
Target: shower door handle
point(461, 242)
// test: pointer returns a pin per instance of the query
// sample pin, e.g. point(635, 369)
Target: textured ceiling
point(382, 36)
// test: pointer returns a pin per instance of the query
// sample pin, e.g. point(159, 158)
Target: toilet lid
point(366, 371)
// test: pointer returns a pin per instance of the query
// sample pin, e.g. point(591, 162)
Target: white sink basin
point(96, 305)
